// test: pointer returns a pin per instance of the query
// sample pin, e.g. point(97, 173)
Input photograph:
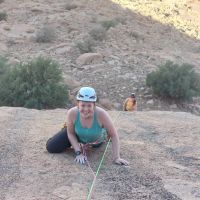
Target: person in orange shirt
point(130, 104)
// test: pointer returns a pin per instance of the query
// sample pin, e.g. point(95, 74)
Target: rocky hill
point(162, 148)
point(139, 35)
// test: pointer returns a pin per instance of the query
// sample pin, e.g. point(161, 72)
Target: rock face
point(162, 148)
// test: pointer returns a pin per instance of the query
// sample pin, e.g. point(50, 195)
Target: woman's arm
point(124, 104)
point(71, 114)
point(107, 123)
point(135, 105)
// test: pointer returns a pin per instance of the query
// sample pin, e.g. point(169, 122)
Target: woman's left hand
point(121, 161)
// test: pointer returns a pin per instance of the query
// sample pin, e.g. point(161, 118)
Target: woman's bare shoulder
point(72, 112)
point(100, 110)
point(101, 113)
point(103, 117)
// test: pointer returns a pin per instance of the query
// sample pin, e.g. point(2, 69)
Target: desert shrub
point(3, 16)
point(175, 81)
point(3, 66)
point(70, 6)
point(98, 33)
point(86, 45)
point(134, 34)
point(93, 19)
point(37, 84)
point(46, 34)
point(109, 23)
point(121, 20)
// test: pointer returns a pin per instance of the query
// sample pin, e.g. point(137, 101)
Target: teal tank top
point(92, 134)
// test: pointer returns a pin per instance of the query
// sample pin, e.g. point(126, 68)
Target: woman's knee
point(58, 143)
point(51, 147)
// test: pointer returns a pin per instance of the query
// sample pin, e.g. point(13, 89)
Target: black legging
point(59, 142)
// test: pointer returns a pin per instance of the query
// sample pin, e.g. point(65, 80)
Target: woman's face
point(86, 109)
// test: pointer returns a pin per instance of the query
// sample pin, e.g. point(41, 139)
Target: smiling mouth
point(85, 113)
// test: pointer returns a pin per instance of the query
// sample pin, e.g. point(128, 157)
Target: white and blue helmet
point(87, 94)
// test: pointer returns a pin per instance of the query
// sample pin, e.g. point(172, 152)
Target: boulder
point(89, 58)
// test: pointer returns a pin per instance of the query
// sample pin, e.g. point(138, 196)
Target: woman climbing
point(86, 124)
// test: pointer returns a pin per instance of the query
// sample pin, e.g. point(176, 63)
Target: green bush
point(37, 84)
point(98, 33)
point(70, 6)
point(46, 34)
point(109, 23)
point(3, 16)
point(86, 46)
point(3, 66)
point(174, 81)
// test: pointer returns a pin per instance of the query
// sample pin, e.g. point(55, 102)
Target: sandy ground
point(162, 148)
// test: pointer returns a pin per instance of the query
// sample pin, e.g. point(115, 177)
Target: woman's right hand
point(80, 159)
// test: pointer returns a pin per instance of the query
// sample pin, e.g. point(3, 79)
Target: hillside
point(144, 34)
point(162, 148)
